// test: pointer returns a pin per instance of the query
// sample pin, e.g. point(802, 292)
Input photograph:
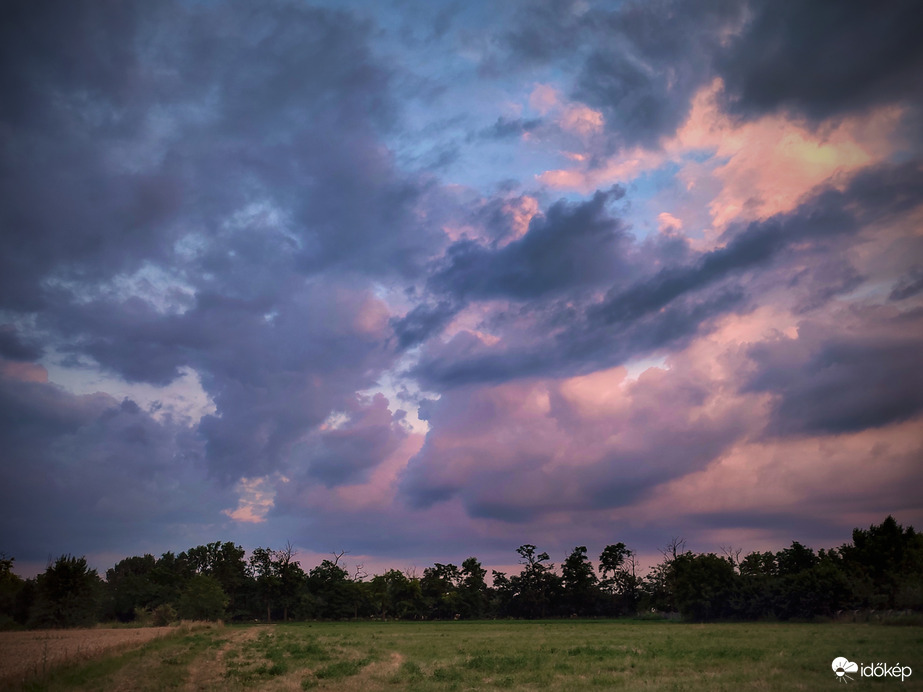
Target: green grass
point(547, 655)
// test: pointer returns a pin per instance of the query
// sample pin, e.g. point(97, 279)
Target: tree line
point(882, 568)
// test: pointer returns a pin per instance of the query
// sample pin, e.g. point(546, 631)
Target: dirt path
point(29, 653)
point(207, 671)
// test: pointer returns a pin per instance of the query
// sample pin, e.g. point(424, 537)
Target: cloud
point(680, 295)
point(637, 65)
point(256, 499)
point(570, 246)
point(832, 380)
point(909, 285)
point(505, 127)
point(13, 347)
point(348, 451)
point(312, 220)
point(522, 450)
point(103, 472)
point(803, 57)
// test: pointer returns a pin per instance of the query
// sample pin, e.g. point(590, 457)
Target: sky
point(427, 280)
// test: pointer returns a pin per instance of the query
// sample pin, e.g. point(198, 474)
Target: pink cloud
point(544, 98)
point(23, 371)
point(754, 169)
point(772, 162)
point(861, 476)
point(581, 120)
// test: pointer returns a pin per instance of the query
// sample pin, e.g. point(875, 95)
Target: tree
point(279, 578)
point(796, 559)
point(334, 595)
point(263, 571)
point(170, 574)
point(131, 585)
point(473, 592)
point(886, 564)
point(581, 594)
point(396, 595)
point(10, 587)
point(225, 562)
point(619, 569)
point(202, 599)
point(703, 585)
point(439, 588)
point(291, 579)
point(68, 594)
point(657, 584)
point(537, 586)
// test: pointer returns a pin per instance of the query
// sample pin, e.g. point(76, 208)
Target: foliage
point(202, 599)
point(881, 569)
point(10, 587)
point(703, 585)
point(68, 594)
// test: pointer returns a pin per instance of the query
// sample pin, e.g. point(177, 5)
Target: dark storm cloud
point(234, 151)
point(564, 342)
point(272, 375)
point(663, 310)
point(756, 246)
point(823, 59)
point(105, 474)
point(129, 125)
point(649, 60)
point(14, 347)
point(71, 80)
point(826, 382)
point(422, 322)
point(639, 63)
point(572, 246)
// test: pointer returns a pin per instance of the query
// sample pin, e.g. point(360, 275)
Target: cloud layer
point(428, 284)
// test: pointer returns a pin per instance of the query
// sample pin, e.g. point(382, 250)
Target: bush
point(163, 615)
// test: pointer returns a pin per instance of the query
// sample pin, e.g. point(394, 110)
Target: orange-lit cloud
point(772, 162)
point(256, 497)
point(762, 167)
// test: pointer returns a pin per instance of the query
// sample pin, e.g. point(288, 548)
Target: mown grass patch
point(549, 655)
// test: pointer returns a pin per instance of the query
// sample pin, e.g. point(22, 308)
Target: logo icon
point(841, 666)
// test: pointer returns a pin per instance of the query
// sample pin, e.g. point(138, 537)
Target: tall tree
point(473, 592)
point(536, 587)
point(68, 594)
point(225, 563)
point(10, 587)
point(131, 586)
point(581, 593)
point(439, 587)
point(886, 563)
point(620, 580)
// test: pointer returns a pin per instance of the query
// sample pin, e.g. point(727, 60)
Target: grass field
point(549, 655)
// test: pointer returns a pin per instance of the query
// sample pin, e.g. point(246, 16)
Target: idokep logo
point(843, 666)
